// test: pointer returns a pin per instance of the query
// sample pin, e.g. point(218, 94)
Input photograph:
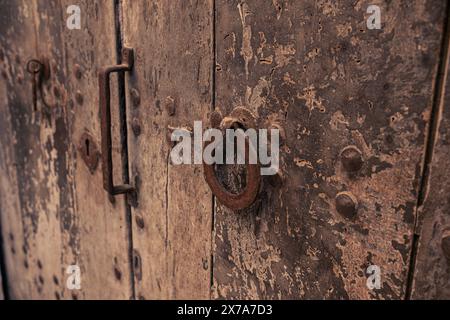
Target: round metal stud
point(351, 158)
point(346, 204)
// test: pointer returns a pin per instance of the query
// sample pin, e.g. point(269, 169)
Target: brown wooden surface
point(55, 213)
point(172, 220)
point(310, 67)
point(432, 272)
point(23, 156)
point(315, 68)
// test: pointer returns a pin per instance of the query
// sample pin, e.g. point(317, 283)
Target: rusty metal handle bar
point(105, 114)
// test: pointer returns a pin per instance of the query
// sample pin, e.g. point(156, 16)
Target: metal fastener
point(170, 106)
point(136, 127)
point(242, 118)
point(351, 158)
point(56, 92)
point(346, 204)
point(77, 71)
point(137, 265)
point(140, 221)
point(79, 97)
point(40, 71)
point(135, 97)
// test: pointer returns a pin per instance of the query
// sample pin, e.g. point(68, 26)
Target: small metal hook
point(40, 70)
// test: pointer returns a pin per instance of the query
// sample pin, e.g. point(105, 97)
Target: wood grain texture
point(310, 67)
point(102, 230)
point(28, 193)
point(59, 215)
point(314, 68)
point(170, 87)
point(432, 272)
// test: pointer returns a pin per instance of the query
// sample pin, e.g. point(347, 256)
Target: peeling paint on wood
point(24, 177)
point(173, 79)
point(54, 211)
point(330, 83)
point(432, 271)
point(310, 68)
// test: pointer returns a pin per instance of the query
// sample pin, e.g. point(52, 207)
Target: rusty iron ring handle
point(231, 200)
point(105, 114)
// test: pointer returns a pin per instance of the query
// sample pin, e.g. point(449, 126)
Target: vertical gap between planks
point(124, 138)
point(436, 112)
point(213, 107)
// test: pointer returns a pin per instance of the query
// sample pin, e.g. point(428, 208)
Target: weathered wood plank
point(27, 169)
point(315, 68)
point(102, 228)
point(172, 220)
point(56, 213)
point(432, 272)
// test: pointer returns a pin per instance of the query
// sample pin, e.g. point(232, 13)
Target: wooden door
point(314, 68)
point(55, 213)
point(170, 87)
point(431, 265)
point(361, 184)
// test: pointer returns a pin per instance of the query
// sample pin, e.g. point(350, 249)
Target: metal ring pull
point(253, 178)
point(105, 113)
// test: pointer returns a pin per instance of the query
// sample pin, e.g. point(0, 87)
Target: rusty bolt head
point(445, 244)
point(170, 106)
point(56, 92)
point(351, 158)
point(135, 97)
point(241, 116)
point(140, 222)
point(346, 205)
point(77, 71)
point(136, 127)
point(79, 97)
point(34, 66)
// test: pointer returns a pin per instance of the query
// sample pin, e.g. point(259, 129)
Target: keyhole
point(87, 142)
